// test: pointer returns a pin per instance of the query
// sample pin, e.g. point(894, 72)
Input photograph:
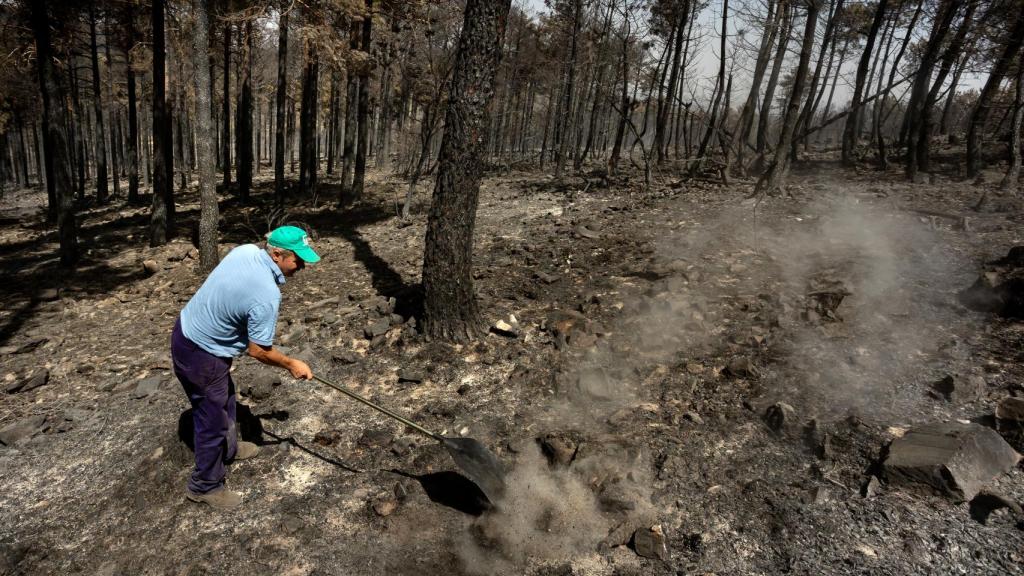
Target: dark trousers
point(207, 382)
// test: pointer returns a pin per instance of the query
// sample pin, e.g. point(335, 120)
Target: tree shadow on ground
point(32, 265)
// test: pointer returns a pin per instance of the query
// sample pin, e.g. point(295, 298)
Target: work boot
point(221, 498)
point(246, 450)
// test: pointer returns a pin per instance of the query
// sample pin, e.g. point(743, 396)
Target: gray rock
point(297, 331)
point(741, 367)
point(594, 382)
point(1010, 409)
point(321, 303)
point(986, 502)
point(374, 439)
point(650, 543)
point(559, 450)
point(954, 458)
point(871, 488)
point(21, 429)
point(509, 329)
point(307, 355)
point(545, 277)
point(377, 328)
point(584, 232)
point(410, 375)
point(959, 388)
point(385, 506)
point(147, 387)
point(346, 357)
point(693, 417)
point(262, 386)
point(402, 446)
point(1010, 421)
point(150, 267)
point(780, 417)
point(35, 380)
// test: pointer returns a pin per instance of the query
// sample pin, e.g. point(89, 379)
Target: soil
point(653, 330)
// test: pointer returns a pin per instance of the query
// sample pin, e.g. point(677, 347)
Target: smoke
point(552, 514)
point(894, 271)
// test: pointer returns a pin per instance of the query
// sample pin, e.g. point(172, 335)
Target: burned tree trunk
point(563, 121)
point(746, 122)
point(850, 131)
point(282, 95)
point(307, 122)
point(984, 105)
point(100, 137)
point(243, 125)
point(208, 210)
point(162, 223)
point(450, 307)
point(133, 117)
point(625, 109)
point(1013, 171)
point(786, 24)
point(226, 109)
point(919, 154)
point(115, 131)
point(58, 164)
point(773, 179)
point(363, 132)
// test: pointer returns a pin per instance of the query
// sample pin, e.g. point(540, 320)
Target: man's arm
point(268, 355)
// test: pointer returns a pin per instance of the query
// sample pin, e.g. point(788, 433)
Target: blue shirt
point(237, 304)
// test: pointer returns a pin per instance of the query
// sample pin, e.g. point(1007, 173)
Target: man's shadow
point(250, 429)
point(448, 488)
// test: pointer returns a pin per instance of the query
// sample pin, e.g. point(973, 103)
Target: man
point(234, 312)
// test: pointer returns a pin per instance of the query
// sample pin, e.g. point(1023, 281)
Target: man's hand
point(268, 355)
point(300, 370)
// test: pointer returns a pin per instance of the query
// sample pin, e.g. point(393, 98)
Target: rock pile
point(1000, 288)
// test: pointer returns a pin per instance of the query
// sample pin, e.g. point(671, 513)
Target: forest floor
point(656, 328)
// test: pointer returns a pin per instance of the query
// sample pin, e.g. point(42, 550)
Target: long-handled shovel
point(479, 463)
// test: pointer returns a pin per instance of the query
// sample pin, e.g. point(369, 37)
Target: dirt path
point(656, 329)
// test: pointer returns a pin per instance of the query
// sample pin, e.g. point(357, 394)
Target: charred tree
point(55, 143)
point(307, 122)
point(853, 118)
point(279, 104)
point(786, 23)
point(450, 308)
point(918, 142)
point(243, 124)
point(100, 145)
point(768, 35)
point(983, 107)
point(161, 227)
point(363, 115)
point(712, 127)
point(225, 119)
point(774, 178)
point(208, 209)
point(1013, 171)
point(133, 115)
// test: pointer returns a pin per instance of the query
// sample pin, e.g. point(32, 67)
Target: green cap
point(294, 239)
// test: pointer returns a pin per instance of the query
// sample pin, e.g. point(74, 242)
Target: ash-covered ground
point(682, 382)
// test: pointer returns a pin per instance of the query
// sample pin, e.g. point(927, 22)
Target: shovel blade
point(479, 464)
